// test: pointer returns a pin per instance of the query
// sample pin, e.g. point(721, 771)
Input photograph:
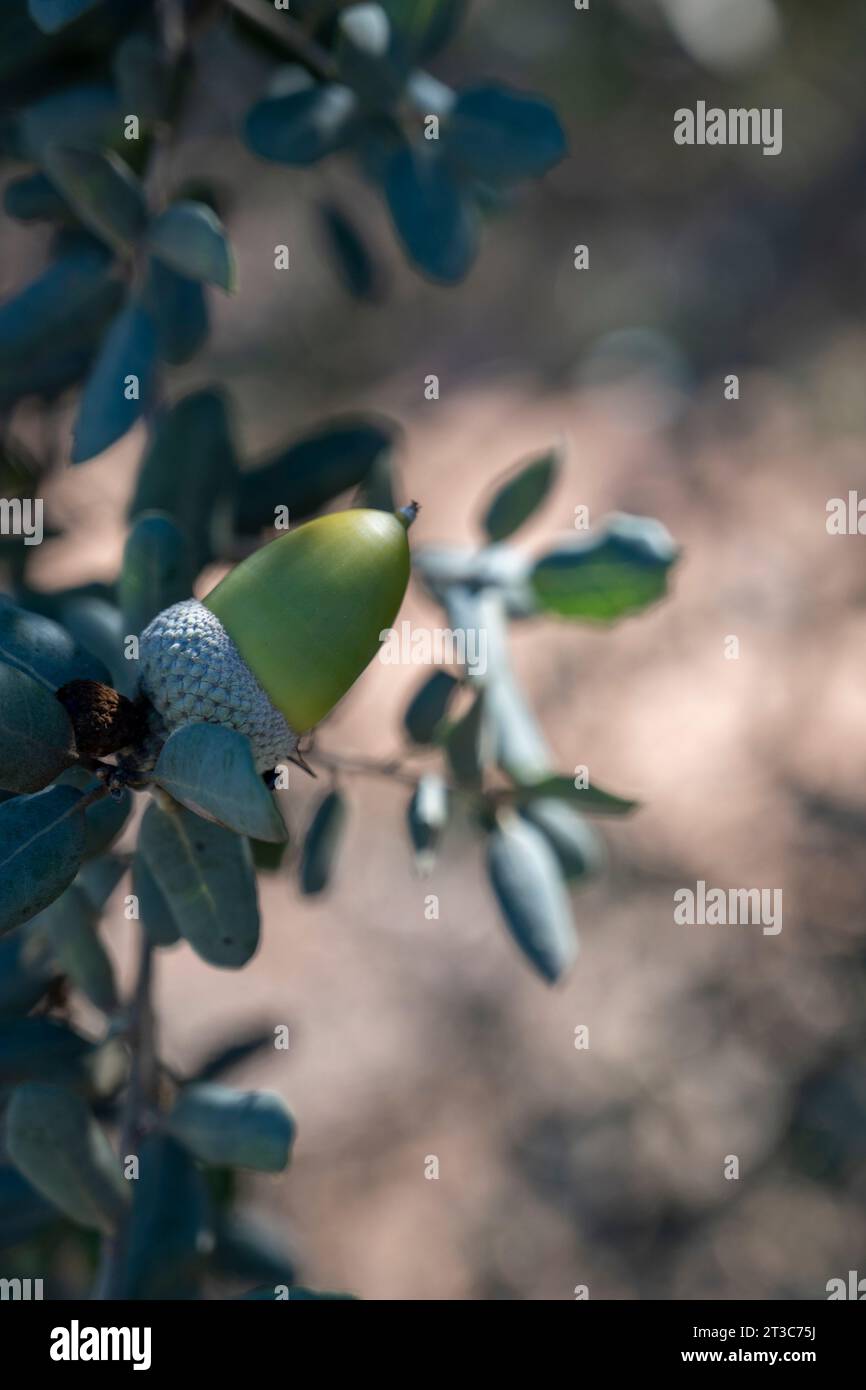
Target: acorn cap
point(305, 611)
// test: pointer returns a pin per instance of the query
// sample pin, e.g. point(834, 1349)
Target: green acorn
point(281, 639)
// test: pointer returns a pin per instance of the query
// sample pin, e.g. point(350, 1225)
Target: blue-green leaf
point(170, 1230)
point(119, 386)
point(573, 841)
point(428, 707)
point(498, 135)
point(156, 570)
point(210, 769)
point(353, 258)
point(156, 915)
point(69, 925)
point(25, 971)
point(41, 846)
point(469, 743)
point(54, 15)
point(312, 471)
point(84, 113)
point(102, 190)
point(41, 1048)
point(303, 126)
point(435, 222)
point(33, 198)
point(178, 307)
point(43, 650)
point(371, 56)
point(605, 576)
point(237, 1129)
point(205, 874)
point(190, 238)
point(54, 1141)
point(426, 25)
point(36, 737)
point(190, 468)
point(104, 819)
point(523, 492)
point(322, 844)
point(56, 310)
point(532, 896)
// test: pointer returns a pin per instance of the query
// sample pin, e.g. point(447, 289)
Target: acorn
point(273, 648)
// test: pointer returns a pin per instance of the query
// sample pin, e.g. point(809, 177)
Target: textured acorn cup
point(305, 612)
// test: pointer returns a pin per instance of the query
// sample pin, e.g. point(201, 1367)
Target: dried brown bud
point(104, 720)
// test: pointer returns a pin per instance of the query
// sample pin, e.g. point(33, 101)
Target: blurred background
point(413, 1038)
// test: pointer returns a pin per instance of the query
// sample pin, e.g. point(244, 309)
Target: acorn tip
point(408, 513)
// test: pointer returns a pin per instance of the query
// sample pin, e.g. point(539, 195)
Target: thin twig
point(290, 35)
point(140, 1034)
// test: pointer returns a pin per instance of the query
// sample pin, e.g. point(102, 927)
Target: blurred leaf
point(52, 313)
point(156, 572)
point(190, 238)
point(70, 926)
point(605, 576)
point(83, 113)
point(532, 896)
point(371, 57)
point(521, 748)
point(41, 845)
point(55, 1142)
point(119, 386)
point(143, 75)
point(499, 135)
point(246, 1251)
point(33, 198)
point(96, 623)
point(52, 15)
point(329, 460)
point(468, 744)
point(592, 800)
point(379, 489)
point(428, 707)
point(25, 971)
point(23, 1212)
point(322, 843)
point(210, 769)
point(572, 840)
point(178, 307)
point(427, 817)
point(521, 495)
point(42, 1048)
point(233, 1054)
point(239, 1129)
point(43, 650)
point(268, 857)
point(358, 270)
point(170, 1231)
point(102, 190)
point(427, 25)
point(156, 915)
point(302, 126)
point(206, 877)
point(36, 737)
point(98, 878)
point(432, 217)
point(104, 820)
point(189, 467)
